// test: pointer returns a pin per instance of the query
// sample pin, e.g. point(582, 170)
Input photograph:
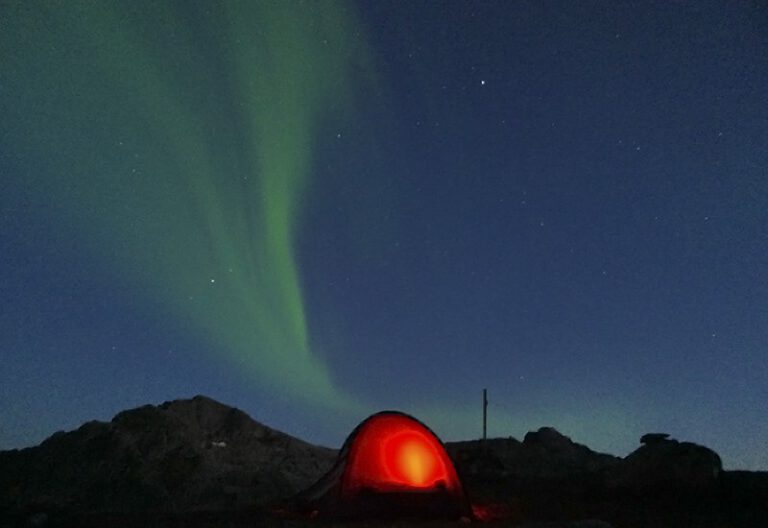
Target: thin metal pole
point(485, 412)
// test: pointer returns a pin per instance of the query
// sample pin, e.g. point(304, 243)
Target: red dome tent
point(391, 465)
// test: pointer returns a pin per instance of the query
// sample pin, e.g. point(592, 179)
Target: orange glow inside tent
point(393, 452)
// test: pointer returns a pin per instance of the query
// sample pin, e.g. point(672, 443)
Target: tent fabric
point(391, 465)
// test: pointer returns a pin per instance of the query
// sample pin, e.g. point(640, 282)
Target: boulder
point(653, 438)
point(662, 464)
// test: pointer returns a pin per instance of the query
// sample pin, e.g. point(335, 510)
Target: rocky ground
point(199, 463)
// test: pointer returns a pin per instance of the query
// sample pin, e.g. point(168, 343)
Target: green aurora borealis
point(212, 132)
point(316, 210)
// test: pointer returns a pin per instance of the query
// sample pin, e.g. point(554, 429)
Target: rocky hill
point(183, 455)
point(664, 483)
point(547, 458)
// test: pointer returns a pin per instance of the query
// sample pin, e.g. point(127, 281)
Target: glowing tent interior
point(391, 465)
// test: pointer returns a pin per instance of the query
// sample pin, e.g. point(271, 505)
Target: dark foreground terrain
point(198, 463)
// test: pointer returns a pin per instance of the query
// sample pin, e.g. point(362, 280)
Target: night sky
point(316, 211)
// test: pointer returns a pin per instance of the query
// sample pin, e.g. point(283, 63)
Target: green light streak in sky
point(181, 145)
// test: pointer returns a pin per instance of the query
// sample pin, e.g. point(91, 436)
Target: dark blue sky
point(564, 203)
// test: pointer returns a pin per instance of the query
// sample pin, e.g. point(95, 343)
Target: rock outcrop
point(543, 455)
point(183, 455)
point(661, 464)
point(556, 455)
